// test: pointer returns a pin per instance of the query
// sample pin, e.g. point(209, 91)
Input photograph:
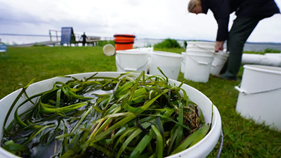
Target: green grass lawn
point(242, 138)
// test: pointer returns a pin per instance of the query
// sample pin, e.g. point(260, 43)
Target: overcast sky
point(144, 18)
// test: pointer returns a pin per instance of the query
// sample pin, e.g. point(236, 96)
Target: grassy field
point(242, 138)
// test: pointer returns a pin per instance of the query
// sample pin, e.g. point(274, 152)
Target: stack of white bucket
point(200, 60)
point(145, 59)
point(259, 97)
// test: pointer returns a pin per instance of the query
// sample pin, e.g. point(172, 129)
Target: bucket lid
point(167, 54)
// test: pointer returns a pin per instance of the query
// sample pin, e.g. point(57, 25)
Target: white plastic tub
point(198, 67)
point(169, 63)
point(260, 95)
point(133, 60)
point(220, 59)
point(200, 150)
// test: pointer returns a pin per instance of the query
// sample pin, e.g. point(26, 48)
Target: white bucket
point(259, 97)
point(108, 49)
point(147, 50)
point(132, 61)
point(210, 46)
point(219, 60)
point(200, 149)
point(183, 62)
point(198, 67)
point(193, 49)
point(169, 63)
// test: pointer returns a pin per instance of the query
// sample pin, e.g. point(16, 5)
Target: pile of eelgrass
point(126, 116)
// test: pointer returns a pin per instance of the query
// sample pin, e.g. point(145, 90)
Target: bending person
point(248, 12)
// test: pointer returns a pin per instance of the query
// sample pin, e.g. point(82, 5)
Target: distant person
point(84, 39)
point(248, 12)
point(185, 44)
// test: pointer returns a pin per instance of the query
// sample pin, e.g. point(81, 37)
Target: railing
point(56, 34)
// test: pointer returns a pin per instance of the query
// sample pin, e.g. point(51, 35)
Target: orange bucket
point(124, 41)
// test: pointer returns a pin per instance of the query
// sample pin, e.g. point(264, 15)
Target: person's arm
point(221, 10)
point(219, 46)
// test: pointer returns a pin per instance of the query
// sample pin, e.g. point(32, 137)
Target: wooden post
point(50, 35)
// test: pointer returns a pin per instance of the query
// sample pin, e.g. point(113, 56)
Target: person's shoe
point(226, 77)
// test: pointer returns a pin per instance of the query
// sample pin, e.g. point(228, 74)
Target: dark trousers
point(240, 31)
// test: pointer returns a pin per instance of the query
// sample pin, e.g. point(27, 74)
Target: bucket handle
point(132, 69)
point(217, 65)
point(249, 93)
point(201, 62)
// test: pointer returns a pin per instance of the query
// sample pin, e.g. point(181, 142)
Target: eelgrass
point(135, 116)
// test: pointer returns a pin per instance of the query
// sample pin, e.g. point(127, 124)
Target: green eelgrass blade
point(159, 125)
point(14, 103)
point(127, 141)
point(141, 145)
point(167, 79)
point(46, 108)
point(146, 105)
point(35, 133)
point(170, 119)
point(82, 119)
point(201, 134)
point(123, 135)
point(17, 118)
point(14, 147)
point(102, 149)
point(185, 97)
point(180, 120)
point(71, 94)
point(159, 142)
point(194, 137)
point(172, 139)
point(117, 125)
point(132, 132)
point(58, 98)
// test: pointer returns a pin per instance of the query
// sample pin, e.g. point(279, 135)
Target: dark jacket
point(243, 8)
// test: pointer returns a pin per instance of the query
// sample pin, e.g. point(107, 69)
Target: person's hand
point(219, 46)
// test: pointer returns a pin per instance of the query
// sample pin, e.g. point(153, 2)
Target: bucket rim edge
point(262, 68)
